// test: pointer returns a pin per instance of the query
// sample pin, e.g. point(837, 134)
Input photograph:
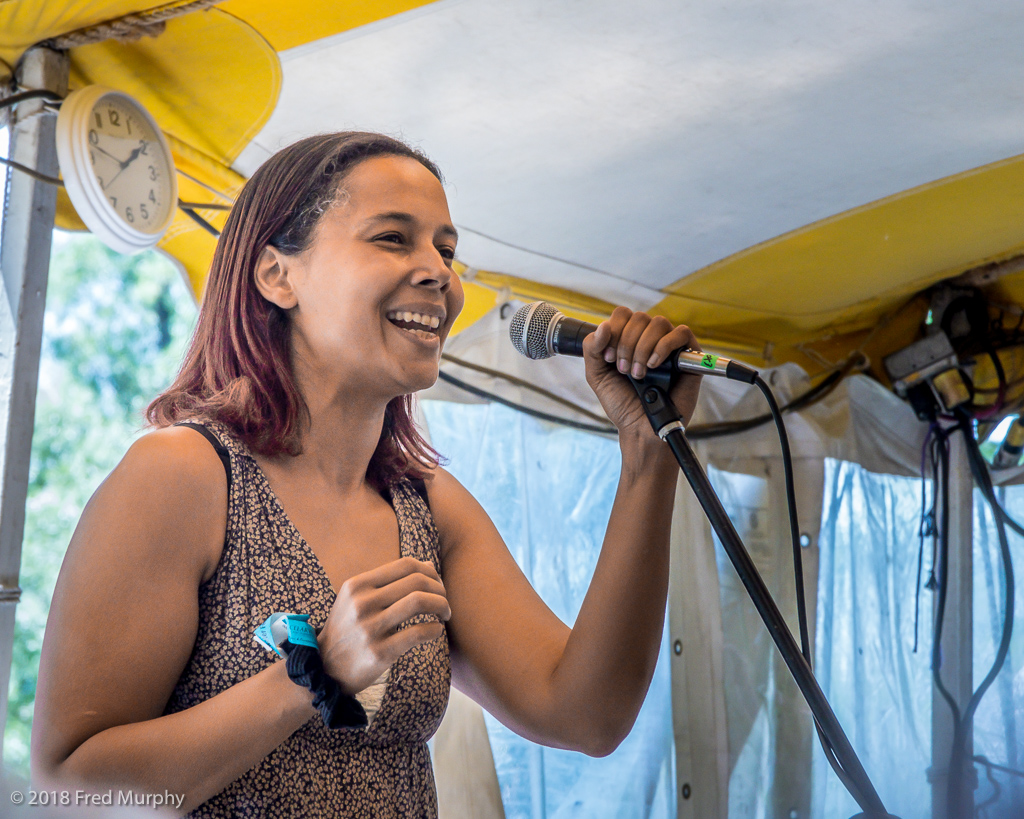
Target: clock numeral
point(100, 180)
point(143, 211)
point(114, 117)
point(129, 215)
point(92, 158)
point(113, 201)
point(143, 147)
point(94, 138)
point(152, 196)
point(152, 174)
point(99, 120)
point(128, 122)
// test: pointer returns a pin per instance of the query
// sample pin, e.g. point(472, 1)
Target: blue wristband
point(293, 638)
point(280, 628)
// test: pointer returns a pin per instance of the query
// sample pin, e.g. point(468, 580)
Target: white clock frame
point(80, 180)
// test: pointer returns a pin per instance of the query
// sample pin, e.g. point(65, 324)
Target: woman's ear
point(272, 269)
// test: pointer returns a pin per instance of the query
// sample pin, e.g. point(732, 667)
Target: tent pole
point(957, 638)
point(29, 209)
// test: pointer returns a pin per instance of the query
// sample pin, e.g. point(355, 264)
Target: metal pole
point(29, 208)
point(957, 646)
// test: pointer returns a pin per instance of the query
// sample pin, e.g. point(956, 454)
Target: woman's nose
point(433, 271)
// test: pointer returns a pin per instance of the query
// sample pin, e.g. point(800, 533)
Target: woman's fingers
point(403, 588)
point(630, 336)
point(658, 329)
point(408, 606)
point(386, 596)
point(634, 342)
point(603, 342)
point(358, 640)
point(401, 641)
point(631, 343)
point(676, 338)
point(394, 570)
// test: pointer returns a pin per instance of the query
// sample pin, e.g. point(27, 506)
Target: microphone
point(538, 330)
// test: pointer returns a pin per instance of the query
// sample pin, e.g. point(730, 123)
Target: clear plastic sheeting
point(744, 738)
point(879, 688)
point(549, 491)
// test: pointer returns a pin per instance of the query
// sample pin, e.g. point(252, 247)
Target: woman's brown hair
point(238, 366)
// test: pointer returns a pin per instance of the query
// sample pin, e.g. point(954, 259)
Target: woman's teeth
point(405, 317)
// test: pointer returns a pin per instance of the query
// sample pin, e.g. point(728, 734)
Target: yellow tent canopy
point(211, 75)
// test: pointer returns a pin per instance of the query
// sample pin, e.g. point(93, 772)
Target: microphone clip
point(653, 391)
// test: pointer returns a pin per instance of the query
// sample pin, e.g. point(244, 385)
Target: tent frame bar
point(27, 235)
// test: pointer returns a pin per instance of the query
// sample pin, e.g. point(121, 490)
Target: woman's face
point(375, 292)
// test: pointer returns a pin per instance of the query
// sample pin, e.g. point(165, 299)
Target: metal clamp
point(10, 594)
point(671, 426)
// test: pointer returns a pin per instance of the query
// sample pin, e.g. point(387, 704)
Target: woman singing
point(285, 475)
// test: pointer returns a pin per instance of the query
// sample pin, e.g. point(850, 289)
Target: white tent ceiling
point(647, 139)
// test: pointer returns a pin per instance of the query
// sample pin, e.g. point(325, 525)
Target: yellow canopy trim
point(297, 22)
point(840, 276)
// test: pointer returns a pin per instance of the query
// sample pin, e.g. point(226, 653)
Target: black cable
point(984, 481)
point(34, 94)
point(695, 432)
point(932, 584)
point(922, 530)
point(199, 220)
point(462, 385)
point(856, 780)
point(526, 385)
point(997, 365)
point(997, 791)
point(844, 777)
point(983, 760)
point(702, 431)
point(794, 525)
point(203, 206)
point(41, 177)
point(798, 572)
point(942, 491)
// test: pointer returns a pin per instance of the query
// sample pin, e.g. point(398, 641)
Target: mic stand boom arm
point(668, 424)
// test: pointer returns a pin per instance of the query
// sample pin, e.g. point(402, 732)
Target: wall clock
point(117, 168)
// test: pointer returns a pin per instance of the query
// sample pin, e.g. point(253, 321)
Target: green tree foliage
point(115, 330)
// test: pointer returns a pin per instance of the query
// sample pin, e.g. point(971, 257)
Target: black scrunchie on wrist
point(306, 668)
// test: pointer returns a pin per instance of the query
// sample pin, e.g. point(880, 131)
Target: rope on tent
point(130, 27)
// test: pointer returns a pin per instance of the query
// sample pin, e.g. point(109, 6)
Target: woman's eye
point(394, 238)
point(447, 253)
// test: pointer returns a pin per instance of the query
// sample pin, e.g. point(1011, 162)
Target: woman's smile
point(422, 327)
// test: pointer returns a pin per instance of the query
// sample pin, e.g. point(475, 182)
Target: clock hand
point(131, 158)
point(104, 151)
point(134, 155)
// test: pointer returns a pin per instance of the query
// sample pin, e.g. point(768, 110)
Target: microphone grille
point(529, 329)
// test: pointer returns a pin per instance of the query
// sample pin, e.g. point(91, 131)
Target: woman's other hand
point(363, 635)
point(630, 343)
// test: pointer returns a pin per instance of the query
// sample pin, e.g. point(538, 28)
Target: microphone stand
point(653, 392)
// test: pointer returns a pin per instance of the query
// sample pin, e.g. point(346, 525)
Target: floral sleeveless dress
point(371, 773)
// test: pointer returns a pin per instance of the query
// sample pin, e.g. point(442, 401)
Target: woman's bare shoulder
point(170, 487)
point(459, 517)
point(443, 488)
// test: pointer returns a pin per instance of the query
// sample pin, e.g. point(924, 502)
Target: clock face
point(130, 166)
point(117, 168)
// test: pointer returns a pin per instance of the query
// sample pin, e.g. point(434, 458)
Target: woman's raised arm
point(580, 688)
